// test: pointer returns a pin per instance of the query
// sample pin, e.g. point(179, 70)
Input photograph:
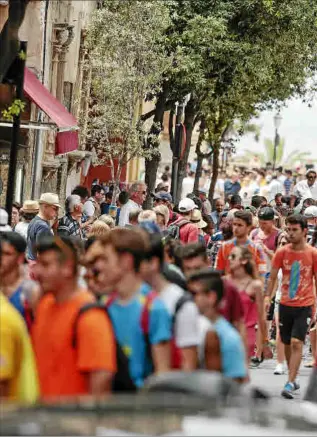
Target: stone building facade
point(56, 54)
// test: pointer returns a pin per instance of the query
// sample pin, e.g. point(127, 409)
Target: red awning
point(67, 137)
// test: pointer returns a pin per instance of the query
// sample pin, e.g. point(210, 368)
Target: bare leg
point(313, 342)
point(295, 358)
point(280, 352)
point(287, 350)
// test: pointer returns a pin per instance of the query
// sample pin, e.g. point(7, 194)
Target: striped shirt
point(67, 226)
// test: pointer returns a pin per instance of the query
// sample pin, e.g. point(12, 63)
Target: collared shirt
point(303, 191)
point(67, 226)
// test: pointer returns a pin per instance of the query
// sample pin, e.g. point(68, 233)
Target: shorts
point(294, 322)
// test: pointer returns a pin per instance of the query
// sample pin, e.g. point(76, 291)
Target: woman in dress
point(244, 275)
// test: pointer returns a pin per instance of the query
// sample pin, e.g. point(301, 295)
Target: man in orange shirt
point(242, 223)
point(298, 262)
point(65, 370)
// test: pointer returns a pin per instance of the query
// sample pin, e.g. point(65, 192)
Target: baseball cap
point(163, 195)
point(203, 190)
point(186, 205)
point(4, 219)
point(310, 212)
point(49, 199)
point(266, 213)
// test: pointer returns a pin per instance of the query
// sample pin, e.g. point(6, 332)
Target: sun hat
point(187, 205)
point(49, 199)
point(30, 206)
point(197, 219)
point(4, 220)
point(311, 212)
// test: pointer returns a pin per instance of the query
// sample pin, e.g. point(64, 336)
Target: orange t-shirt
point(222, 261)
point(63, 368)
point(299, 268)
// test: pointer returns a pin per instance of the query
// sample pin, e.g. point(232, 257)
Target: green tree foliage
point(126, 45)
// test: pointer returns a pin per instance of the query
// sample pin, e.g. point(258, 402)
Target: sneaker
point(296, 385)
point(255, 362)
point(279, 369)
point(288, 391)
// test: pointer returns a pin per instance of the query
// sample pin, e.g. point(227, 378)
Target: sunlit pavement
point(264, 378)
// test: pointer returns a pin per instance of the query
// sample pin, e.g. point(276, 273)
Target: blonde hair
point(106, 218)
point(164, 211)
point(99, 229)
point(147, 216)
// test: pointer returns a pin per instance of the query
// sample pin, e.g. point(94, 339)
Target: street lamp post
point(277, 125)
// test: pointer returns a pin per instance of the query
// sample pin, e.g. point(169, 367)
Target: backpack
point(122, 381)
point(176, 357)
point(174, 229)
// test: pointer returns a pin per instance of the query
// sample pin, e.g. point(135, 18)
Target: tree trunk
point(189, 125)
point(200, 156)
point(198, 172)
point(215, 169)
point(151, 165)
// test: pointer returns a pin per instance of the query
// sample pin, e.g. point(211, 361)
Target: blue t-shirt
point(37, 228)
point(126, 320)
point(232, 349)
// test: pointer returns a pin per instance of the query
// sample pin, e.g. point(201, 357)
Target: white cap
point(4, 219)
point(186, 205)
point(311, 212)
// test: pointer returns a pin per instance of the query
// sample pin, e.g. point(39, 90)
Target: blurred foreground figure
point(67, 369)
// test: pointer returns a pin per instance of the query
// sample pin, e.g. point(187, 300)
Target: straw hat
point(49, 199)
point(197, 219)
point(30, 206)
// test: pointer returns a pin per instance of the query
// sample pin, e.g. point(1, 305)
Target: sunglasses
point(232, 256)
point(311, 177)
point(142, 192)
point(95, 273)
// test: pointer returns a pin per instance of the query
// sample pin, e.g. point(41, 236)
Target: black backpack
point(122, 381)
point(173, 230)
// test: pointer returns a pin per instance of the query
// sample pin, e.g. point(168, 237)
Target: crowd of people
point(93, 302)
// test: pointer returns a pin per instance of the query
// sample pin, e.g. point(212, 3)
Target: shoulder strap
point(186, 297)
point(83, 310)
point(145, 316)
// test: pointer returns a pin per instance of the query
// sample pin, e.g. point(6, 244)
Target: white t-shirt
point(303, 191)
point(22, 229)
point(186, 322)
point(275, 187)
point(204, 325)
point(188, 186)
point(125, 212)
point(89, 208)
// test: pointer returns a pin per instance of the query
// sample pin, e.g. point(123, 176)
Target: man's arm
point(270, 288)
point(161, 356)
point(189, 358)
point(212, 352)
point(160, 334)
point(99, 382)
point(220, 260)
point(96, 350)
